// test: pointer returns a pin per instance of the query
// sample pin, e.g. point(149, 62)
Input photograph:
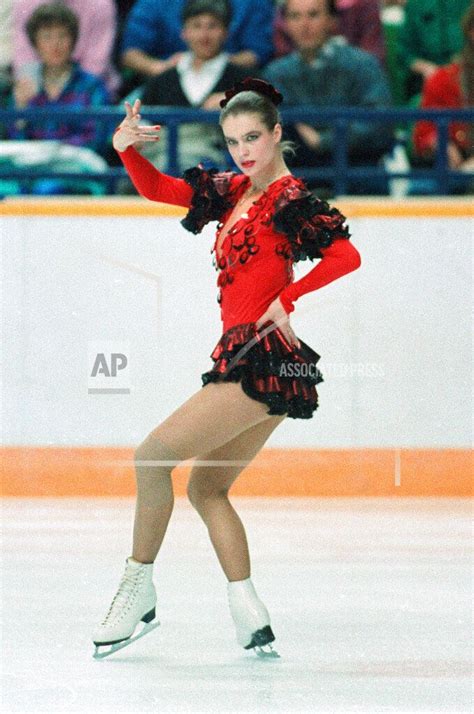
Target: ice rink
point(370, 601)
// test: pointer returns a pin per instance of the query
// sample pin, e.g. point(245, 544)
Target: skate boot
point(133, 602)
point(251, 618)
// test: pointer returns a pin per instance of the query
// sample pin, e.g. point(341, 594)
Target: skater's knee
point(153, 452)
point(200, 494)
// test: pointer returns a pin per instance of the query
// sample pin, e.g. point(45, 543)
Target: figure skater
point(261, 373)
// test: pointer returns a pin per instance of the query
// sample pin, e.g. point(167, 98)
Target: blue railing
point(340, 119)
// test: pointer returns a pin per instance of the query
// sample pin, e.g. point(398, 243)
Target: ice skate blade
point(266, 652)
point(98, 654)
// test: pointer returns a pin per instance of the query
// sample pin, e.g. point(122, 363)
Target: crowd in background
point(84, 54)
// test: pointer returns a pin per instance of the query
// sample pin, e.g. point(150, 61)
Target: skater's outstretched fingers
point(133, 112)
point(130, 132)
point(128, 110)
point(137, 106)
point(149, 133)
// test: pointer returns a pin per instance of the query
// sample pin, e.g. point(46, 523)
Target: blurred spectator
point(6, 36)
point(451, 86)
point(123, 8)
point(93, 50)
point(199, 80)
point(430, 37)
point(153, 43)
point(393, 16)
point(327, 72)
point(6, 50)
point(357, 20)
point(56, 82)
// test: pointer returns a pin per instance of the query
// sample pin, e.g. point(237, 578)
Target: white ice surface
point(370, 601)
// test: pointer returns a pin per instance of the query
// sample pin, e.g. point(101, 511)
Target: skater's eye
point(251, 136)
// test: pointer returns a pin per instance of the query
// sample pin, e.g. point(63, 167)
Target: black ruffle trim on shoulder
point(210, 199)
point(308, 222)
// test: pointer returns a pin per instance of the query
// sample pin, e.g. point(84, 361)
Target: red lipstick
point(247, 164)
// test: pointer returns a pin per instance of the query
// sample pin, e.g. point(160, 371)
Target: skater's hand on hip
point(130, 132)
point(277, 314)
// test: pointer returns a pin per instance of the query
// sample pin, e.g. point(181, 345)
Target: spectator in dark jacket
point(358, 21)
point(327, 72)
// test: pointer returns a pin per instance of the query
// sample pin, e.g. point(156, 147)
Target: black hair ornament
point(251, 84)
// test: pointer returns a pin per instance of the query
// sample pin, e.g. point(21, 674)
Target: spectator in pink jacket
point(93, 51)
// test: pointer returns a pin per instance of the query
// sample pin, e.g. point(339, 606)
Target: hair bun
point(252, 84)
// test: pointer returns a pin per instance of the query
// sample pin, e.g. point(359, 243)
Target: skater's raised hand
point(130, 132)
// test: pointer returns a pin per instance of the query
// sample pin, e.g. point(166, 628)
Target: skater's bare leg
point(155, 499)
point(212, 417)
point(208, 489)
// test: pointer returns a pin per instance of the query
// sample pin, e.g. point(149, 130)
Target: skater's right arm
point(149, 182)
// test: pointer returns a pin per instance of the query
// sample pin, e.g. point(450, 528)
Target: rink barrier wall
point(36, 471)
point(119, 206)
point(31, 472)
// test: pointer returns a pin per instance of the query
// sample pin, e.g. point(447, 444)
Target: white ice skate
point(251, 618)
point(134, 601)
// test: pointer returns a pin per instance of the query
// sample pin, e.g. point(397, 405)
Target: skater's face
point(205, 36)
point(251, 144)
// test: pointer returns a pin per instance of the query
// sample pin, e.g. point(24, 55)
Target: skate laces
point(125, 595)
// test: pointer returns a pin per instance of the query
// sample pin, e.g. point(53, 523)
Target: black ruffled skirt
point(269, 369)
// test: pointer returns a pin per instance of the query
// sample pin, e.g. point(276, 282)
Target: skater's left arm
point(340, 258)
point(314, 230)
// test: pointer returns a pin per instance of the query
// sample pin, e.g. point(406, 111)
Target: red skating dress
point(255, 261)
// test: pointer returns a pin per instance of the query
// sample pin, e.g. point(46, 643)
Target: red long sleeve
point(152, 183)
point(340, 258)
